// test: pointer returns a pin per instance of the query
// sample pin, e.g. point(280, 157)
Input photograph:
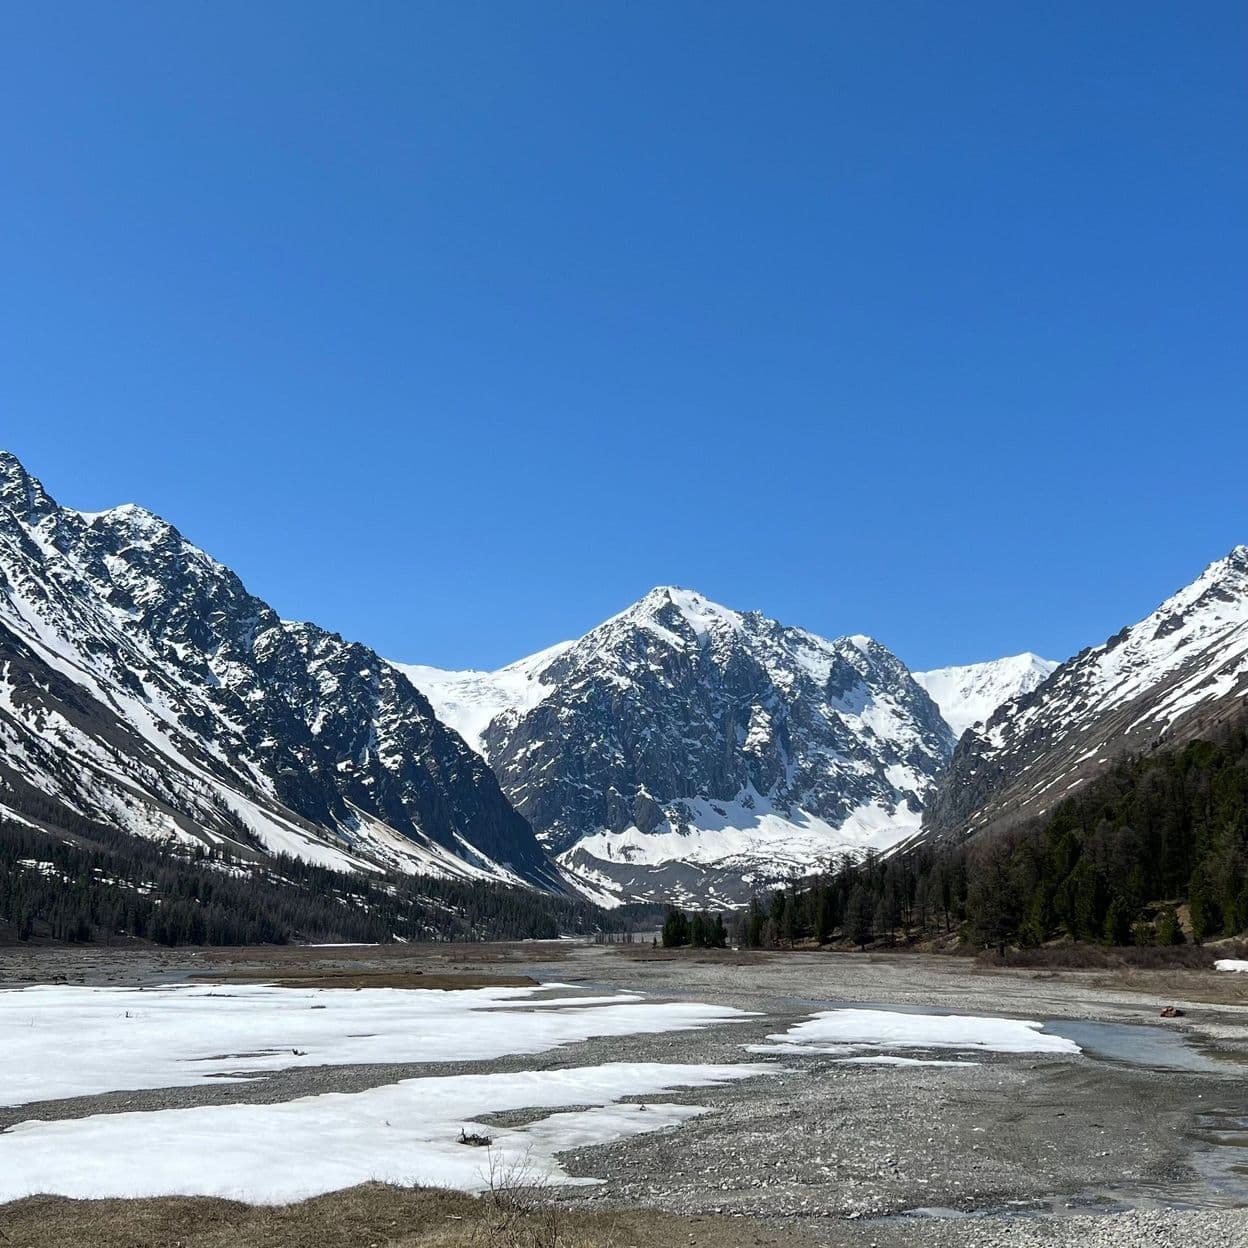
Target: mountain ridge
point(191, 712)
point(691, 842)
point(1164, 679)
point(680, 750)
point(673, 745)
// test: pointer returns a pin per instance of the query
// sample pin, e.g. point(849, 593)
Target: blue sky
point(455, 327)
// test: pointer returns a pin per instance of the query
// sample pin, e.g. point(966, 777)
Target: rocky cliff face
point(1162, 680)
point(685, 750)
point(142, 685)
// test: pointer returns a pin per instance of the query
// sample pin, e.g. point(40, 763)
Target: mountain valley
point(681, 751)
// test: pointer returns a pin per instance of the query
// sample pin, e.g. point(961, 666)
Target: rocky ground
point(1019, 1149)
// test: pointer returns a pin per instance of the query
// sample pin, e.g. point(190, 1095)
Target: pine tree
point(789, 919)
point(858, 917)
point(1117, 929)
point(675, 929)
point(755, 922)
point(825, 921)
point(1202, 906)
point(993, 902)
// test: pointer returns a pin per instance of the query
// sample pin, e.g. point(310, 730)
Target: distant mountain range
point(681, 750)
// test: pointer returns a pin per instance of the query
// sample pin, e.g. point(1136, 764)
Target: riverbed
point(890, 1099)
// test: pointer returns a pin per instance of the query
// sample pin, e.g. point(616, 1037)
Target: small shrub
point(1107, 957)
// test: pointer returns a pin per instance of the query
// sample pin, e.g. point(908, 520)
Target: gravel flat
point(1018, 1149)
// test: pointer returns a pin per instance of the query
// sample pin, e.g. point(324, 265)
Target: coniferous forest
point(101, 885)
point(702, 930)
point(1154, 852)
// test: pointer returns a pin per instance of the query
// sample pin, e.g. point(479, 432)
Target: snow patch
point(968, 695)
point(404, 1133)
point(180, 1036)
point(894, 1030)
point(468, 701)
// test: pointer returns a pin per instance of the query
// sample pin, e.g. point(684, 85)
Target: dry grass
point(427, 956)
point(1110, 957)
point(370, 1216)
point(366, 1215)
point(714, 957)
point(1178, 972)
point(317, 978)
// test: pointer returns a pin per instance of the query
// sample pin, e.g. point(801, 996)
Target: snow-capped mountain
point(469, 700)
point(1160, 681)
point(969, 694)
point(683, 750)
point(143, 687)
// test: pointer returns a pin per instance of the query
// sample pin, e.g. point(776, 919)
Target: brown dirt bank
point(377, 1216)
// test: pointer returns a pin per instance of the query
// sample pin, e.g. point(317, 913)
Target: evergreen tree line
point(99, 884)
point(702, 931)
point(1110, 865)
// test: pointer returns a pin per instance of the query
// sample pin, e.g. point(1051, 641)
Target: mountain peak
point(1163, 677)
point(134, 519)
point(1234, 563)
point(685, 748)
point(671, 606)
point(1219, 595)
point(25, 495)
point(968, 694)
point(19, 491)
point(680, 596)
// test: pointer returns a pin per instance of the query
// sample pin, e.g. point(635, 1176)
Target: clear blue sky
point(457, 326)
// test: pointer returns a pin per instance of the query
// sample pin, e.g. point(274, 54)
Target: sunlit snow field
point(71, 1041)
point(62, 1042)
point(65, 1041)
point(847, 1030)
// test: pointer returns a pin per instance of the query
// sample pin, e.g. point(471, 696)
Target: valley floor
point(1138, 1139)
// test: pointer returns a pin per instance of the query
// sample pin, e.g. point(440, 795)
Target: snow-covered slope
point(1160, 681)
point(682, 750)
point(142, 687)
point(969, 694)
point(467, 701)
